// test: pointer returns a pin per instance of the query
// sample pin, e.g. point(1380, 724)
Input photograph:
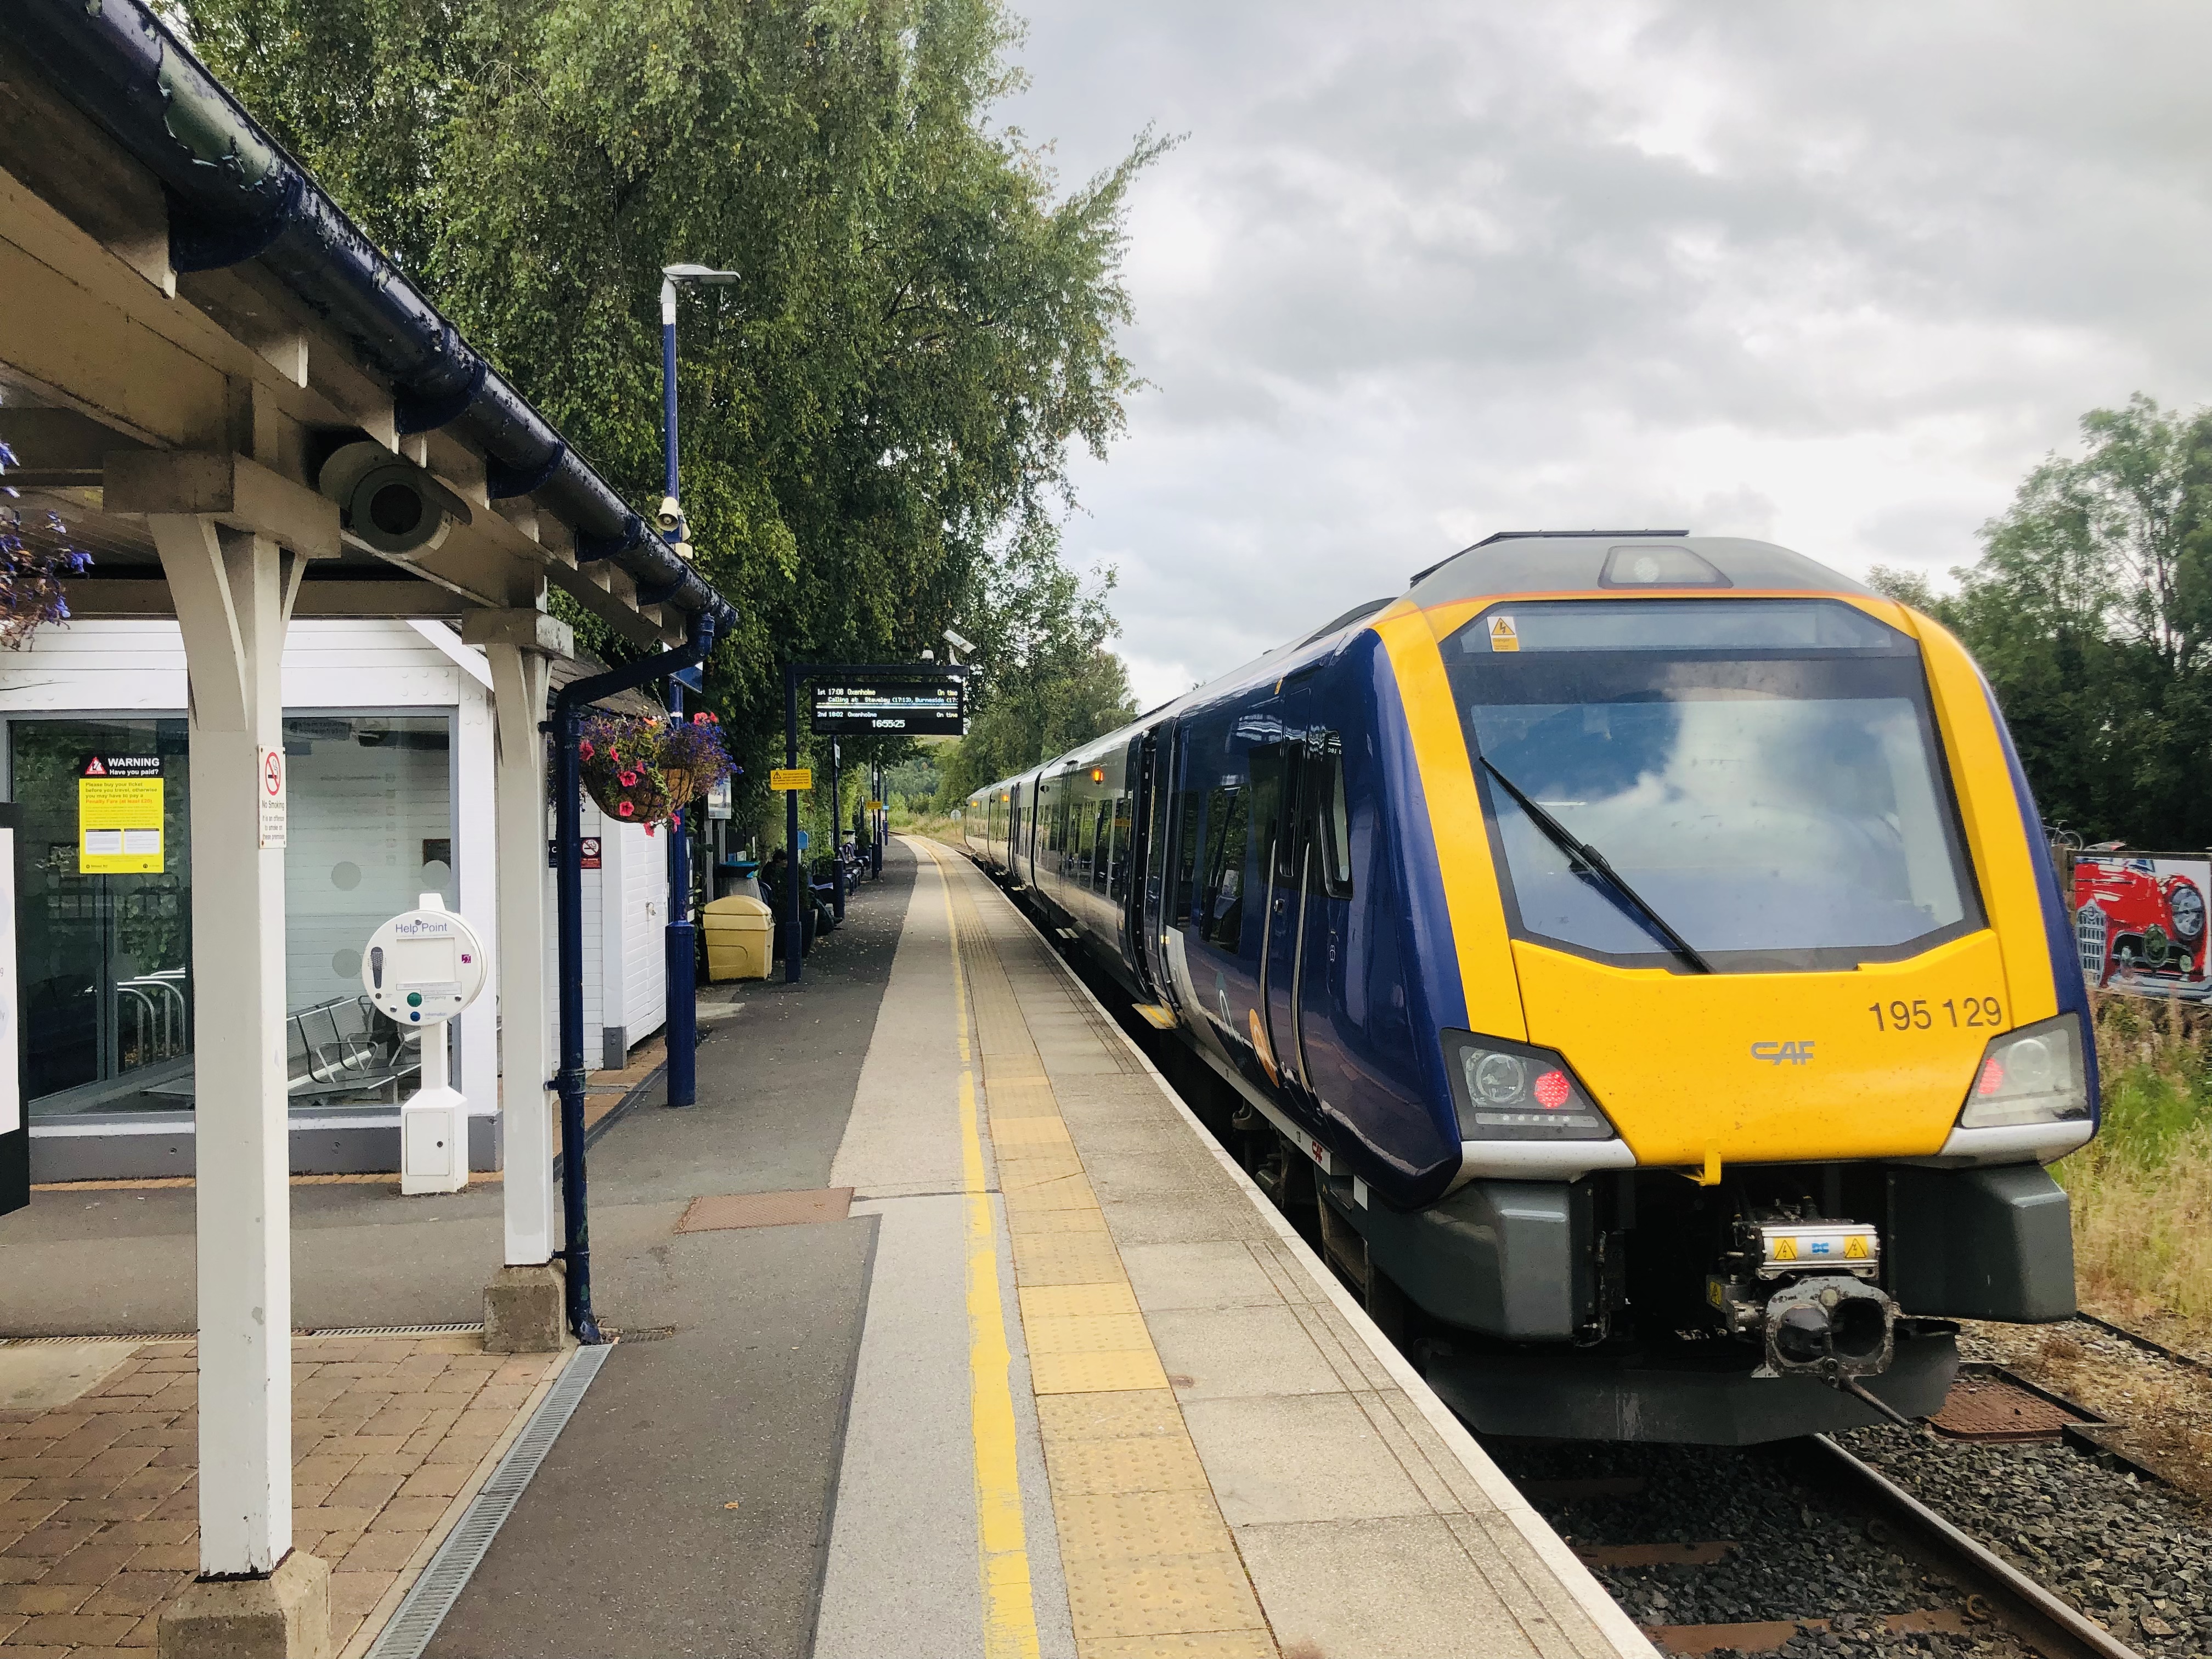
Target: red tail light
point(1552, 1091)
point(1992, 1077)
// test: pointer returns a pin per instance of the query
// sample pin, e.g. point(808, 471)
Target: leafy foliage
point(1054, 683)
point(923, 328)
point(2090, 611)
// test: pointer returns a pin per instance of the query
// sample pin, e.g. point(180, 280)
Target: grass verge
point(2143, 1189)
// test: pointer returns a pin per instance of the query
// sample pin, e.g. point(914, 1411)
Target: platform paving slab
point(101, 1520)
point(1361, 1517)
point(684, 1509)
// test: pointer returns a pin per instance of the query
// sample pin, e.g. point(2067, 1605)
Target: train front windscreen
point(1736, 785)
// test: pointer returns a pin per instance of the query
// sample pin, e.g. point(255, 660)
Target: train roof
point(1583, 561)
point(1502, 565)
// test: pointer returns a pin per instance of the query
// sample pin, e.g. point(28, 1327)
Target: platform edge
point(1571, 1575)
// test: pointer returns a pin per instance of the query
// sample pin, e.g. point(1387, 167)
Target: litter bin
point(740, 936)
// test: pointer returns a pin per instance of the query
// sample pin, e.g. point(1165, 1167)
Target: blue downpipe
point(568, 728)
point(568, 900)
point(680, 944)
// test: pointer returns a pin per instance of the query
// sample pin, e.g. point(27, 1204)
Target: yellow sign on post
point(791, 777)
point(875, 806)
point(118, 816)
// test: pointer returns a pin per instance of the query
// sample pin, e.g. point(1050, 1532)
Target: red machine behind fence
point(2140, 920)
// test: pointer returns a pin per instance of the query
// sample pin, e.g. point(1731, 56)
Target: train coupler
point(1803, 1288)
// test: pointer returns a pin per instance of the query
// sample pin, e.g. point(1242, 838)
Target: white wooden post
point(524, 1306)
point(232, 591)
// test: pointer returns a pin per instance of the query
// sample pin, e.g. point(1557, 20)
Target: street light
point(680, 951)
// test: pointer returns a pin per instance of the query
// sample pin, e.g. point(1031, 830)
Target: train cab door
point(1298, 947)
point(1155, 828)
point(1277, 772)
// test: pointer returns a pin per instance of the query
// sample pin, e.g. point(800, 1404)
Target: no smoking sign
point(270, 792)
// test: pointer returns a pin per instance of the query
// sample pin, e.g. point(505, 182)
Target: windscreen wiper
point(1587, 859)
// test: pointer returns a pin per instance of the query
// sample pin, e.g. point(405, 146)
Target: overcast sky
point(1833, 275)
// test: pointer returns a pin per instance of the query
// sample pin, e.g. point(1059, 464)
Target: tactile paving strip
point(1150, 1563)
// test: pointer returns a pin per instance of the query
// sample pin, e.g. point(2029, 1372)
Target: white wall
point(625, 979)
point(330, 666)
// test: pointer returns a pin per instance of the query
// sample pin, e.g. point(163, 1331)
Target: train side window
point(1125, 828)
point(1272, 849)
point(1187, 853)
point(1228, 819)
point(1102, 842)
point(1326, 815)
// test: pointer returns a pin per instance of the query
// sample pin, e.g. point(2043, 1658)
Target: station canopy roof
point(176, 282)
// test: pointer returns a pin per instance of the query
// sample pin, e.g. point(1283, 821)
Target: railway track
point(1801, 1548)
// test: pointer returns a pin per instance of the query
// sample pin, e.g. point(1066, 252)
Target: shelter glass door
point(103, 955)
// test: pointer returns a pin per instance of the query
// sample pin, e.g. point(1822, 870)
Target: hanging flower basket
point(33, 560)
point(644, 771)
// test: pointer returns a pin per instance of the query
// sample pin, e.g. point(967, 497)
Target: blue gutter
point(235, 195)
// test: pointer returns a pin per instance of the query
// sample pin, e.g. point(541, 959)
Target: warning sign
point(118, 816)
point(274, 819)
point(1503, 637)
point(791, 777)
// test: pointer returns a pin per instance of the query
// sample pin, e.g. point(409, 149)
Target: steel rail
point(2040, 1617)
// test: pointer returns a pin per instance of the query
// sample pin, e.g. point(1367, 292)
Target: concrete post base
point(525, 1311)
point(286, 1615)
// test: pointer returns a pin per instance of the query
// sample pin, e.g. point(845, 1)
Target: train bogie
point(1634, 957)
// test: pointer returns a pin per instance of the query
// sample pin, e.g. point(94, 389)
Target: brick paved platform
point(98, 1501)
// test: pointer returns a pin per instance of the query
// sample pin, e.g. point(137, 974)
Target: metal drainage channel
point(426, 1606)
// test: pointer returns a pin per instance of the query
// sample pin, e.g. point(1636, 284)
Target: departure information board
point(904, 708)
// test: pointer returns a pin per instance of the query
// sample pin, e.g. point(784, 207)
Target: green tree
point(2090, 611)
point(1050, 681)
point(925, 324)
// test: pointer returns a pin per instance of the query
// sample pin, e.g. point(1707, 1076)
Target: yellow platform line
point(1150, 1563)
point(1010, 1627)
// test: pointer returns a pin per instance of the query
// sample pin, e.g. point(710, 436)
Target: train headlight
point(2033, 1075)
point(1510, 1091)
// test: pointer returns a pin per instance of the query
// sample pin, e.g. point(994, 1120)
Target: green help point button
point(414, 998)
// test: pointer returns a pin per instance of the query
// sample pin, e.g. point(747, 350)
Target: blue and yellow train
point(1636, 959)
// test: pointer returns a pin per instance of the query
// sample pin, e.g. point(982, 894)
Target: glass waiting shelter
point(103, 880)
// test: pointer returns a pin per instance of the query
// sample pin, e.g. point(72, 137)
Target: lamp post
point(680, 949)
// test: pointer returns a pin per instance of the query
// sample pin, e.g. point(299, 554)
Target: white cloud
point(1836, 275)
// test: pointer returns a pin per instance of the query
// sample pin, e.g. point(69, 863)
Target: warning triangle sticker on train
point(93, 769)
point(1502, 634)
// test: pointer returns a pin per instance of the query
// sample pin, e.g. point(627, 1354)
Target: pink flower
point(648, 828)
point(703, 719)
point(629, 780)
point(623, 809)
point(585, 748)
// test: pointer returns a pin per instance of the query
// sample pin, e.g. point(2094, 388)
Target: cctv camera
point(956, 642)
point(386, 504)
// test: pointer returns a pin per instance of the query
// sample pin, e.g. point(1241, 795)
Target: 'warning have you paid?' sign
point(118, 816)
